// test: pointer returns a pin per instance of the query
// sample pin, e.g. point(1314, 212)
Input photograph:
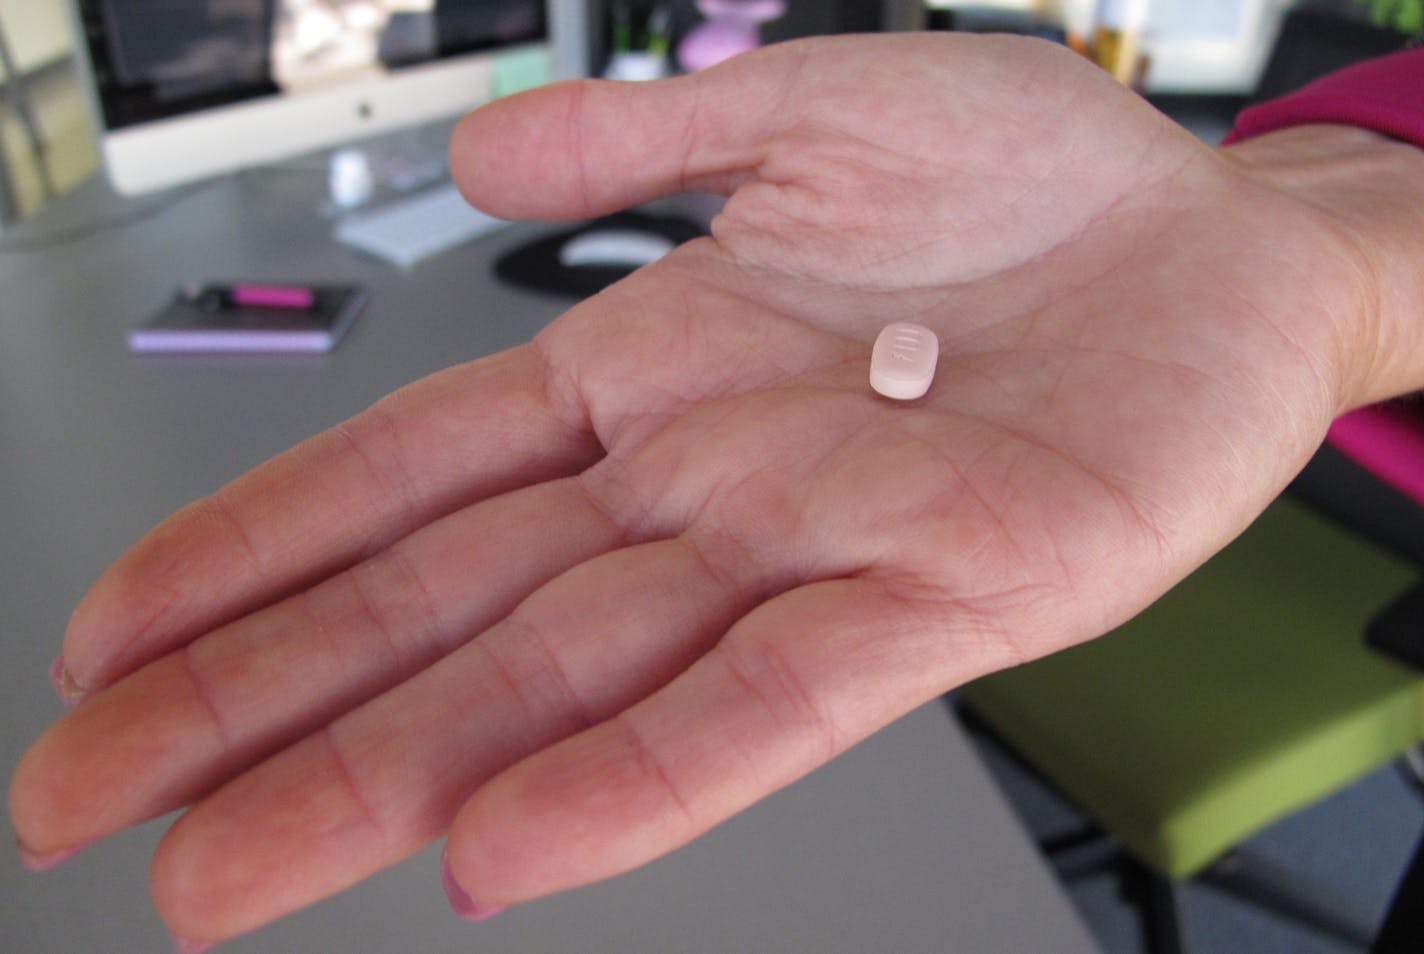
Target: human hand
point(576, 603)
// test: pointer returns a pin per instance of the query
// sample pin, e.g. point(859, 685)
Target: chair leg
point(1155, 897)
point(1065, 842)
point(1257, 881)
point(1081, 853)
point(1403, 929)
point(1411, 766)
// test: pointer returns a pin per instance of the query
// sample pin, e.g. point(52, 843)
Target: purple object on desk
point(731, 28)
point(250, 319)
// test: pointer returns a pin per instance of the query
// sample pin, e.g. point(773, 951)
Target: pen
point(658, 29)
point(622, 28)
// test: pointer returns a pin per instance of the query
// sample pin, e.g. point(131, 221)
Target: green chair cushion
point(1242, 695)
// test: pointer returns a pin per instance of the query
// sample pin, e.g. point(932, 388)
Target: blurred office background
point(1191, 48)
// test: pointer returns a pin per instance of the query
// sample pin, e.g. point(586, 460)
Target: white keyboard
point(406, 230)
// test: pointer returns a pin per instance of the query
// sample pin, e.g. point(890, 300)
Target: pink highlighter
point(284, 297)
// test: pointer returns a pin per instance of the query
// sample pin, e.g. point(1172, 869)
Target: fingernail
point(35, 862)
point(460, 902)
point(184, 946)
point(69, 691)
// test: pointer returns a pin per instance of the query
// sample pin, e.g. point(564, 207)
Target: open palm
point(576, 603)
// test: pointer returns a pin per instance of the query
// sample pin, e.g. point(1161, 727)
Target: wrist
point(1366, 192)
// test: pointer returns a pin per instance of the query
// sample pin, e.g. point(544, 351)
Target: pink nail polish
point(69, 691)
point(35, 862)
point(460, 902)
point(182, 945)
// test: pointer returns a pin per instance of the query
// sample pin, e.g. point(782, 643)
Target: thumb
point(589, 147)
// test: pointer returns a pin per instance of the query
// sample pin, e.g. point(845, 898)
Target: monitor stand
point(385, 169)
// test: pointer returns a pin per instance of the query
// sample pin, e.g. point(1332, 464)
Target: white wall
point(38, 31)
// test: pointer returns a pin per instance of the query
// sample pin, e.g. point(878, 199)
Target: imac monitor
point(188, 89)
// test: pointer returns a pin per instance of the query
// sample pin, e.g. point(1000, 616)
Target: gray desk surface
point(902, 845)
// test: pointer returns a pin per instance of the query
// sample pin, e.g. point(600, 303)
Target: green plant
point(1406, 16)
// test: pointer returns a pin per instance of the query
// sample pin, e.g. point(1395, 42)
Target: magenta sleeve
point(1385, 95)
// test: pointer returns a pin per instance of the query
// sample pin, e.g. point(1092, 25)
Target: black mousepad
point(536, 266)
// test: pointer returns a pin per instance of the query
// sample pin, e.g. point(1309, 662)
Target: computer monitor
point(187, 89)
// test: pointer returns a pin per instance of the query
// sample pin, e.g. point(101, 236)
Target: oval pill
point(902, 363)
